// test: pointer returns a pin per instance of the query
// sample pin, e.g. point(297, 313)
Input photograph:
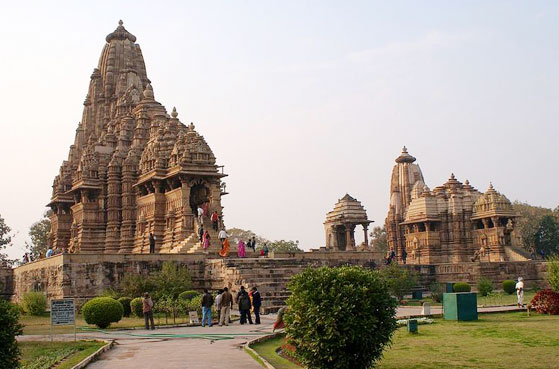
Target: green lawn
point(508, 340)
point(41, 324)
point(45, 355)
point(494, 299)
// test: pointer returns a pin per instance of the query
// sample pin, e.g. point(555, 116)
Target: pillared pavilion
point(133, 168)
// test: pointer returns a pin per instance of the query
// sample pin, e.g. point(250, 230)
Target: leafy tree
point(547, 236)
point(5, 238)
point(528, 224)
point(379, 240)
point(9, 329)
point(284, 246)
point(400, 280)
point(339, 318)
point(241, 234)
point(552, 276)
point(39, 232)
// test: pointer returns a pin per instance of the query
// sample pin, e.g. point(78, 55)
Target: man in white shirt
point(200, 215)
point(520, 292)
point(222, 235)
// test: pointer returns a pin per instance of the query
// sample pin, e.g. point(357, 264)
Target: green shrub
point(461, 287)
point(110, 292)
point(436, 291)
point(125, 301)
point(195, 304)
point(34, 303)
point(484, 286)
point(102, 311)
point(339, 317)
point(509, 286)
point(552, 276)
point(9, 329)
point(171, 280)
point(137, 307)
point(400, 280)
point(188, 295)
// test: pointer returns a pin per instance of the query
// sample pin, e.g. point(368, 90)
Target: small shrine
point(341, 222)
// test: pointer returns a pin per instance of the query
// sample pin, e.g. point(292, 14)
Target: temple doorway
point(199, 194)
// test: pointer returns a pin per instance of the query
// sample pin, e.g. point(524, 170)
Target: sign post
point(62, 312)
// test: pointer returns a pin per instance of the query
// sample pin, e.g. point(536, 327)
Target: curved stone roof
point(347, 210)
point(405, 157)
point(492, 203)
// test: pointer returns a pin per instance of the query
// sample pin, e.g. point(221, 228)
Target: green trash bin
point(412, 325)
point(449, 287)
point(460, 306)
point(416, 295)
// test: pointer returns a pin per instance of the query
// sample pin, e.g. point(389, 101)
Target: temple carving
point(452, 223)
point(133, 168)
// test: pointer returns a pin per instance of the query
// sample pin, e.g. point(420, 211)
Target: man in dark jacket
point(256, 304)
point(225, 305)
point(151, 243)
point(243, 300)
point(207, 302)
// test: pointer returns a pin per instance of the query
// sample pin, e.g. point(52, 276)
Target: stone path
point(132, 351)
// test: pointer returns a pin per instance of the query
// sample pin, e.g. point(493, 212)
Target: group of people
point(224, 302)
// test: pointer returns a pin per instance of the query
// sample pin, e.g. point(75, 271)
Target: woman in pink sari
point(241, 251)
point(206, 240)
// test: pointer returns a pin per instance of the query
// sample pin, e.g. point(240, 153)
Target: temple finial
point(174, 114)
point(405, 149)
point(120, 22)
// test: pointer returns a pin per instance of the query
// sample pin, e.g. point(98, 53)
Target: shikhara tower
point(133, 169)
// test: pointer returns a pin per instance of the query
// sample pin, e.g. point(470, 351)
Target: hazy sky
point(302, 101)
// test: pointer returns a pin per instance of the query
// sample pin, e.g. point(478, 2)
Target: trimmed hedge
point(34, 303)
point(188, 295)
point(137, 307)
point(461, 287)
point(339, 317)
point(509, 286)
point(125, 301)
point(102, 311)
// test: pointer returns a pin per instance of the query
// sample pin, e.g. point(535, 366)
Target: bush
point(546, 302)
point(110, 292)
point(484, 286)
point(195, 304)
point(171, 280)
point(436, 291)
point(102, 311)
point(400, 280)
point(509, 286)
point(188, 295)
point(125, 301)
point(9, 329)
point(137, 307)
point(34, 303)
point(339, 317)
point(552, 276)
point(461, 287)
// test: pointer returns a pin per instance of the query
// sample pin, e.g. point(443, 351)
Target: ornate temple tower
point(133, 169)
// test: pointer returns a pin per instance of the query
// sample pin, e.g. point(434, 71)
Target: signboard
point(193, 317)
point(62, 312)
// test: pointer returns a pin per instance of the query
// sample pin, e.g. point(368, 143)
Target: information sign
point(62, 312)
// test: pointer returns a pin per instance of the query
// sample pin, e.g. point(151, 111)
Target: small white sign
point(62, 312)
point(193, 317)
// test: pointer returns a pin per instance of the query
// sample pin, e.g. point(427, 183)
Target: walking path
point(164, 348)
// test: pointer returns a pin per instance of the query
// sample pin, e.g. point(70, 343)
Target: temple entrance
point(340, 237)
point(199, 194)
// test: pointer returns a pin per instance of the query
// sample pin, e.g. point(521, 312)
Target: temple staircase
point(192, 244)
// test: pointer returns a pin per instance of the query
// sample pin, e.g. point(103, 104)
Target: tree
point(400, 280)
point(5, 239)
point(527, 225)
point(241, 234)
point(552, 276)
point(284, 246)
point(379, 240)
point(547, 236)
point(39, 232)
point(339, 318)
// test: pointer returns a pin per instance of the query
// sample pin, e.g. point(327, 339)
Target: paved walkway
point(133, 351)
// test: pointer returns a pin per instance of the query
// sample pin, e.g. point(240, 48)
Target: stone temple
point(133, 168)
point(452, 223)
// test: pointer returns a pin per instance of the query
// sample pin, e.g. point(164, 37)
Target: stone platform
point(83, 276)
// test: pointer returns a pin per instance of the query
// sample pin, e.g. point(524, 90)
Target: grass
point(493, 299)
point(45, 355)
point(41, 324)
point(506, 340)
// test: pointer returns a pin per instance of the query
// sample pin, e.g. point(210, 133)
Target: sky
point(301, 101)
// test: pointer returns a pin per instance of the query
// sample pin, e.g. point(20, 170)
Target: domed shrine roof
point(492, 203)
point(347, 210)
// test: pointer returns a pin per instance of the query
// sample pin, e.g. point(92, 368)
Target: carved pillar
point(365, 227)
point(348, 245)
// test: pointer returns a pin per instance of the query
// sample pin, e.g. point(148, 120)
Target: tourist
point(151, 243)
point(201, 233)
point(147, 307)
point(241, 251)
point(200, 212)
point(252, 243)
point(256, 304)
point(225, 306)
point(26, 258)
point(224, 252)
point(205, 207)
point(532, 252)
point(206, 240)
point(542, 254)
point(218, 303)
point(222, 235)
point(520, 292)
point(265, 250)
point(49, 252)
point(207, 302)
point(215, 219)
point(249, 244)
point(243, 300)
point(404, 256)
